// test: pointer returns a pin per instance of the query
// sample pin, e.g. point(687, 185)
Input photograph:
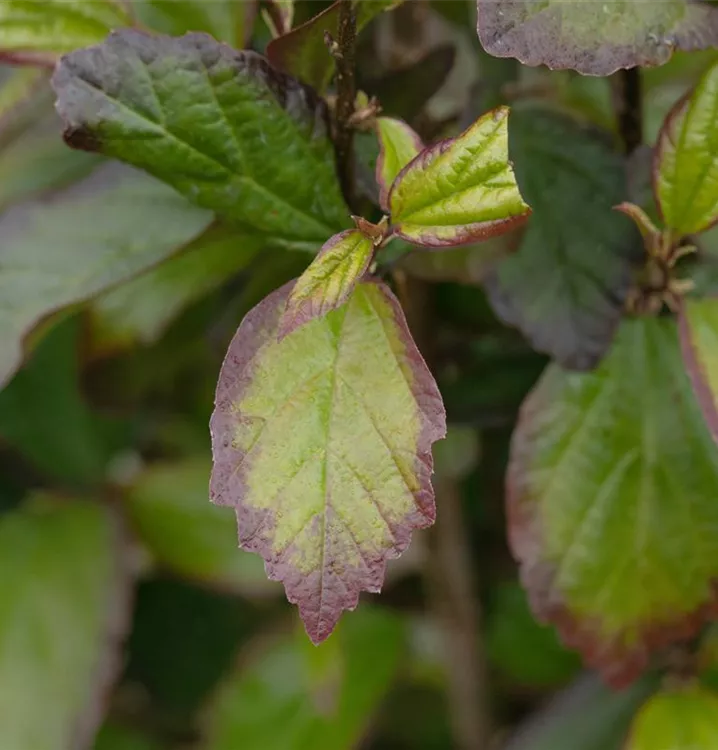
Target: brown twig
point(628, 103)
point(343, 50)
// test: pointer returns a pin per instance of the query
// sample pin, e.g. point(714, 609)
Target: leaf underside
point(460, 190)
point(686, 160)
point(595, 38)
point(322, 444)
point(566, 285)
point(611, 501)
point(220, 126)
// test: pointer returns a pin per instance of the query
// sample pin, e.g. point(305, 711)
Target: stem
point(344, 52)
point(628, 103)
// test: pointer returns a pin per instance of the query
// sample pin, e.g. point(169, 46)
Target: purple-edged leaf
point(595, 38)
point(303, 51)
point(221, 126)
point(686, 160)
point(698, 325)
point(677, 719)
point(322, 445)
point(64, 610)
point(460, 190)
point(42, 30)
point(332, 276)
point(611, 494)
point(398, 145)
point(281, 16)
point(566, 285)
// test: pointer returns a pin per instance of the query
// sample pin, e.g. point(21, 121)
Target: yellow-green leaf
point(42, 30)
point(322, 445)
point(686, 160)
point(329, 280)
point(679, 719)
point(398, 145)
point(460, 190)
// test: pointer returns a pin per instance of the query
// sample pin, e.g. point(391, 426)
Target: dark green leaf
point(220, 126)
point(612, 483)
point(595, 38)
point(565, 287)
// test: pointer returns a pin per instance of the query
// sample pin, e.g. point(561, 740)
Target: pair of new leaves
point(325, 412)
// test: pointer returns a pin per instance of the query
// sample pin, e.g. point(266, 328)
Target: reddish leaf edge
point(696, 372)
point(224, 482)
point(384, 189)
point(294, 317)
point(618, 665)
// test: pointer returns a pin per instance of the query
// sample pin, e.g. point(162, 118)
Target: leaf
point(594, 38)
point(566, 285)
point(220, 126)
point(41, 30)
point(329, 281)
point(142, 309)
point(303, 52)
point(117, 737)
point(64, 608)
point(685, 166)
point(167, 506)
point(698, 325)
point(322, 445)
point(460, 190)
point(101, 232)
point(611, 490)
point(227, 21)
point(677, 719)
point(46, 418)
point(308, 698)
point(281, 16)
point(398, 145)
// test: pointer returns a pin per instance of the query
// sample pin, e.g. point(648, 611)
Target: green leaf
point(460, 190)
point(322, 444)
point(698, 325)
point(398, 145)
point(167, 506)
point(41, 30)
point(685, 167)
point(142, 309)
point(116, 737)
point(220, 126)
point(612, 483)
point(302, 697)
point(594, 38)
point(678, 719)
point(329, 281)
point(46, 418)
point(102, 231)
point(566, 285)
point(64, 608)
point(303, 52)
point(227, 21)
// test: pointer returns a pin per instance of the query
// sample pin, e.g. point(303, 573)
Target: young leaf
point(322, 444)
point(303, 51)
point(686, 163)
point(565, 287)
point(220, 126)
point(102, 231)
point(227, 21)
point(604, 468)
point(677, 719)
point(329, 280)
point(398, 145)
point(698, 325)
point(460, 190)
point(41, 30)
point(331, 692)
point(595, 38)
point(64, 609)
point(167, 506)
point(142, 309)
